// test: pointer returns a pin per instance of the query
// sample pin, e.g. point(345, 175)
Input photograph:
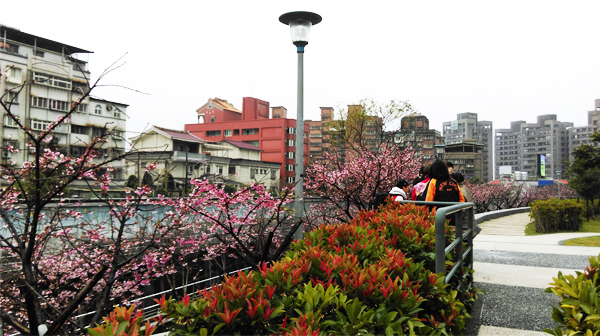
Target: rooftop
point(243, 145)
point(175, 134)
point(40, 42)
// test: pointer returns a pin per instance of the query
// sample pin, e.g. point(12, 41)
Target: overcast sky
point(505, 60)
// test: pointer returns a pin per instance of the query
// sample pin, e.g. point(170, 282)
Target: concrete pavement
point(513, 270)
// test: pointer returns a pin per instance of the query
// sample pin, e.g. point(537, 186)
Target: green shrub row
point(579, 307)
point(372, 276)
point(556, 215)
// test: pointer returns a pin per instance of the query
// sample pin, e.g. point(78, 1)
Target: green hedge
point(579, 312)
point(374, 275)
point(556, 215)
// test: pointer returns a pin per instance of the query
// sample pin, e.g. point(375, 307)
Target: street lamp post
point(300, 23)
point(440, 149)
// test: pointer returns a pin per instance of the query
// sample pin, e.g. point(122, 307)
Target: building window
point(228, 133)
point(39, 102)
point(290, 155)
point(208, 169)
point(40, 125)
point(9, 122)
point(263, 171)
point(39, 53)
point(250, 131)
point(82, 108)
point(253, 172)
point(273, 174)
point(54, 81)
point(98, 132)
point(212, 119)
point(290, 130)
point(98, 109)
point(231, 170)
point(253, 143)
point(58, 105)
point(290, 142)
point(220, 170)
point(290, 167)
point(14, 73)
point(213, 133)
point(236, 132)
point(290, 179)
point(117, 115)
point(76, 129)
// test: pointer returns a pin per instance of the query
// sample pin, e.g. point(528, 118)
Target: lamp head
point(300, 23)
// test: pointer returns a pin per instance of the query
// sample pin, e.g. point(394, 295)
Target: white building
point(42, 80)
point(228, 162)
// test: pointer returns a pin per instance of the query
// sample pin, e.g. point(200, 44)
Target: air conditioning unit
point(109, 108)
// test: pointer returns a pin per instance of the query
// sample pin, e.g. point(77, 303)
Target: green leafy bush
point(556, 215)
point(579, 307)
point(374, 275)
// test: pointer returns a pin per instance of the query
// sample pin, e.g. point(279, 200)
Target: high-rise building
point(580, 135)
point(467, 128)
point(522, 145)
point(415, 134)
point(52, 78)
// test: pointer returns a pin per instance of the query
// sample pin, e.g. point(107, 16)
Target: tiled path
point(513, 270)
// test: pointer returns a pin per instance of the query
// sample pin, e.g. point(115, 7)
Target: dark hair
point(402, 183)
point(427, 169)
point(449, 164)
point(458, 177)
point(439, 170)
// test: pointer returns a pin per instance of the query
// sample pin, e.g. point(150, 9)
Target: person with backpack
point(442, 188)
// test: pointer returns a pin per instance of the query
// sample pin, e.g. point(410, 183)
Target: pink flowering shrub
point(507, 195)
point(348, 185)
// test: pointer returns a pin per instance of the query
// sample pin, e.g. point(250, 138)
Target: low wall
point(482, 217)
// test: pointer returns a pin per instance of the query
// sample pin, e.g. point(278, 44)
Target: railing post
point(458, 253)
point(469, 261)
point(440, 243)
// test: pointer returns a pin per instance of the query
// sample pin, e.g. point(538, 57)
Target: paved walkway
point(513, 270)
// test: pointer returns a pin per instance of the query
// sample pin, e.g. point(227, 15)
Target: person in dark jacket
point(442, 188)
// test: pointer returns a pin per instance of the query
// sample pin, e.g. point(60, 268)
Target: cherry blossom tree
point(60, 260)
point(507, 195)
point(251, 223)
point(348, 185)
point(56, 260)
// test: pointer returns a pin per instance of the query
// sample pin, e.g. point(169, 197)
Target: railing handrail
point(444, 209)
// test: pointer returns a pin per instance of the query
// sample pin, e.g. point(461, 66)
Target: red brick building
point(275, 135)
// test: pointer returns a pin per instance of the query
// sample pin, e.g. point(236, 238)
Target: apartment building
point(521, 145)
point(580, 135)
point(274, 134)
point(415, 134)
point(52, 76)
point(467, 128)
point(317, 144)
point(467, 157)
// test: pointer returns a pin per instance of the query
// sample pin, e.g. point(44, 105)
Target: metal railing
point(464, 222)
